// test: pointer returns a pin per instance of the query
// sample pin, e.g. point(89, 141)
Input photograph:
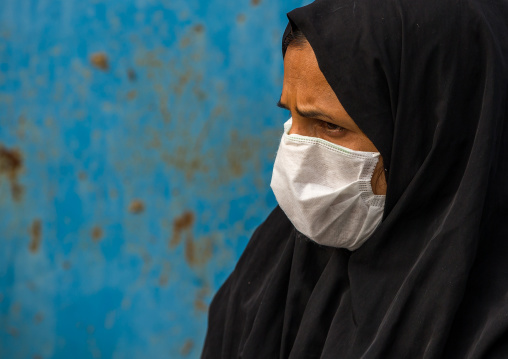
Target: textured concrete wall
point(137, 139)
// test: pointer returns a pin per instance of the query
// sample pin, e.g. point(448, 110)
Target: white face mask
point(325, 190)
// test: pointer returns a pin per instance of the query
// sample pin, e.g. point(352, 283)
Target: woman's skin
point(316, 110)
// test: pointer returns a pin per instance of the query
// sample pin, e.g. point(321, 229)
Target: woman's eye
point(333, 127)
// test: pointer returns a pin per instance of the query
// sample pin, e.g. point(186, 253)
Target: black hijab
point(427, 81)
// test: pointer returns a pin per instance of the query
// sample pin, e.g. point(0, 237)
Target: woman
point(420, 87)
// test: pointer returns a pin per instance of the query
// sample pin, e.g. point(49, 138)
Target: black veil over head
point(427, 82)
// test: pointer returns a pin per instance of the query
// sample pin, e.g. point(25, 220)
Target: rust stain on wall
point(199, 28)
point(137, 206)
point(188, 162)
point(187, 347)
point(150, 59)
point(97, 233)
point(198, 253)
point(199, 303)
point(11, 163)
point(190, 251)
point(240, 152)
point(255, 2)
point(180, 224)
point(36, 236)
point(100, 61)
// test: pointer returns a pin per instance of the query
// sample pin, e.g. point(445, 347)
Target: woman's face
point(316, 110)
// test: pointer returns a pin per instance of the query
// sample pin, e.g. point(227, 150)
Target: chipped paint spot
point(11, 163)
point(199, 28)
point(137, 206)
point(36, 234)
point(255, 2)
point(198, 253)
point(13, 331)
point(66, 265)
point(186, 161)
point(184, 222)
point(190, 251)
point(187, 347)
point(131, 75)
point(97, 233)
point(100, 61)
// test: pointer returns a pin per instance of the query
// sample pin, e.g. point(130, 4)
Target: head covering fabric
point(427, 82)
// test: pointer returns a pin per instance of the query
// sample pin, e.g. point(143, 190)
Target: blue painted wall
point(137, 139)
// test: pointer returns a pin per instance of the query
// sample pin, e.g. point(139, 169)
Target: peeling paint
point(100, 61)
point(36, 236)
point(198, 253)
point(11, 164)
point(136, 206)
point(181, 223)
point(199, 28)
point(97, 234)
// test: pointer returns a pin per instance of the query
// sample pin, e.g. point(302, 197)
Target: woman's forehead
point(302, 76)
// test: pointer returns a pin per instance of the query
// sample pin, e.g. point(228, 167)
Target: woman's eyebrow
point(305, 113)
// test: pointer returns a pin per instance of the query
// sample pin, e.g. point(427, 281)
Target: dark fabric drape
point(427, 81)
